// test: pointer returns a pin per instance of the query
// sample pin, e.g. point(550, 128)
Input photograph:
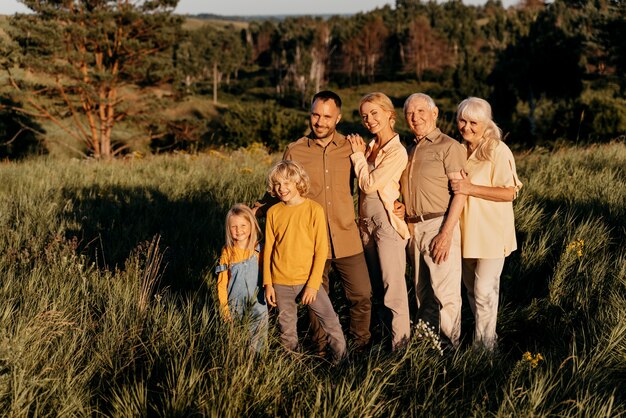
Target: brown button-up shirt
point(330, 170)
point(424, 182)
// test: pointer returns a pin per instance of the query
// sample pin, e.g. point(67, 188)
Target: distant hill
point(210, 16)
point(240, 22)
point(193, 22)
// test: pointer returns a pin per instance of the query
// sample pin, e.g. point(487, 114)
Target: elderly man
point(432, 214)
point(325, 156)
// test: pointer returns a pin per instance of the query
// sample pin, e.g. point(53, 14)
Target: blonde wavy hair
point(475, 108)
point(384, 102)
point(289, 170)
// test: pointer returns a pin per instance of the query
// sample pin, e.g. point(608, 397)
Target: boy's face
point(286, 191)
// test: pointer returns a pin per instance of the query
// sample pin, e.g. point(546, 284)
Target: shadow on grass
point(527, 319)
point(112, 221)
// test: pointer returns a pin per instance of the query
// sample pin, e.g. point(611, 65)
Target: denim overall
point(246, 299)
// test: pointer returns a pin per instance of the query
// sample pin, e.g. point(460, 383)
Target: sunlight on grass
point(108, 302)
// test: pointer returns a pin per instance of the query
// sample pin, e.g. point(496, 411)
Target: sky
point(261, 7)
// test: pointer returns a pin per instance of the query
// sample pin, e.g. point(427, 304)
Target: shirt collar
point(431, 136)
point(337, 140)
point(394, 140)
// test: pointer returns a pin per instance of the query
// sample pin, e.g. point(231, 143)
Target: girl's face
point(240, 230)
point(471, 129)
point(374, 117)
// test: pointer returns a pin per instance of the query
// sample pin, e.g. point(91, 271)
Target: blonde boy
point(296, 248)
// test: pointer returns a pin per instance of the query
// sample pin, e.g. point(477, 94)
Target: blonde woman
point(378, 167)
point(491, 184)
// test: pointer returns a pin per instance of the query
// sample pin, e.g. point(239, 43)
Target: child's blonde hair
point(255, 232)
point(289, 170)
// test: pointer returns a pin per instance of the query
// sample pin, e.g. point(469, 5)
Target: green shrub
point(245, 123)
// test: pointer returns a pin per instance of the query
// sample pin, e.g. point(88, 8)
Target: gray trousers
point(323, 310)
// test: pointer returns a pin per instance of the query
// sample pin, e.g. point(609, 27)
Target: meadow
point(108, 301)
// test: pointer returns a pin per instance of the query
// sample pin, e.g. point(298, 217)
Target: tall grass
point(108, 304)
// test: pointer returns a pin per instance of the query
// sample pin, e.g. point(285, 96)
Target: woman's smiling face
point(471, 129)
point(374, 117)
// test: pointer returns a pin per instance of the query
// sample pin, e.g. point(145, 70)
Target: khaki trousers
point(481, 277)
point(437, 286)
point(385, 253)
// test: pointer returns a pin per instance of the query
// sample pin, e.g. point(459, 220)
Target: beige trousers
point(481, 277)
point(437, 286)
point(385, 253)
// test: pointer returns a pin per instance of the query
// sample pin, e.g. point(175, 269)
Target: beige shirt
point(330, 171)
point(384, 178)
point(487, 227)
point(424, 182)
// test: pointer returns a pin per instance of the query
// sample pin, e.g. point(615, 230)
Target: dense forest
point(108, 78)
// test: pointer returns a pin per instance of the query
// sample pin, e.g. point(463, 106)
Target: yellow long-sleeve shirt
point(296, 244)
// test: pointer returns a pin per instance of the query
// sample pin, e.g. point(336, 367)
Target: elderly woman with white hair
point(487, 227)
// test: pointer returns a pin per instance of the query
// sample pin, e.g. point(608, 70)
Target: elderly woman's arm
point(496, 194)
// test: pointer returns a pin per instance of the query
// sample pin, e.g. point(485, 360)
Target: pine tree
point(94, 52)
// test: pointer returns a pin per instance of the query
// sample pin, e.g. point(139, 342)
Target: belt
point(422, 218)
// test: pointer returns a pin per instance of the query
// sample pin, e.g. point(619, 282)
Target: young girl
point(239, 276)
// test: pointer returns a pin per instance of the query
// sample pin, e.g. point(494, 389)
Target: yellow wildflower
point(532, 360)
point(576, 246)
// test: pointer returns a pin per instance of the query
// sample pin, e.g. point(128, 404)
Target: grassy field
point(108, 304)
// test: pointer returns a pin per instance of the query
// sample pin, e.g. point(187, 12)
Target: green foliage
point(603, 114)
point(552, 71)
point(267, 123)
point(91, 51)
point(209, 53)
point(108, 302)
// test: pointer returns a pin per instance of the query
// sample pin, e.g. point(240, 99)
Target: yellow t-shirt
point(296, 244)
point(487, 227)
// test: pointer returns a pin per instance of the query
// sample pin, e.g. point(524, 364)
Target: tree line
point(551, 71)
